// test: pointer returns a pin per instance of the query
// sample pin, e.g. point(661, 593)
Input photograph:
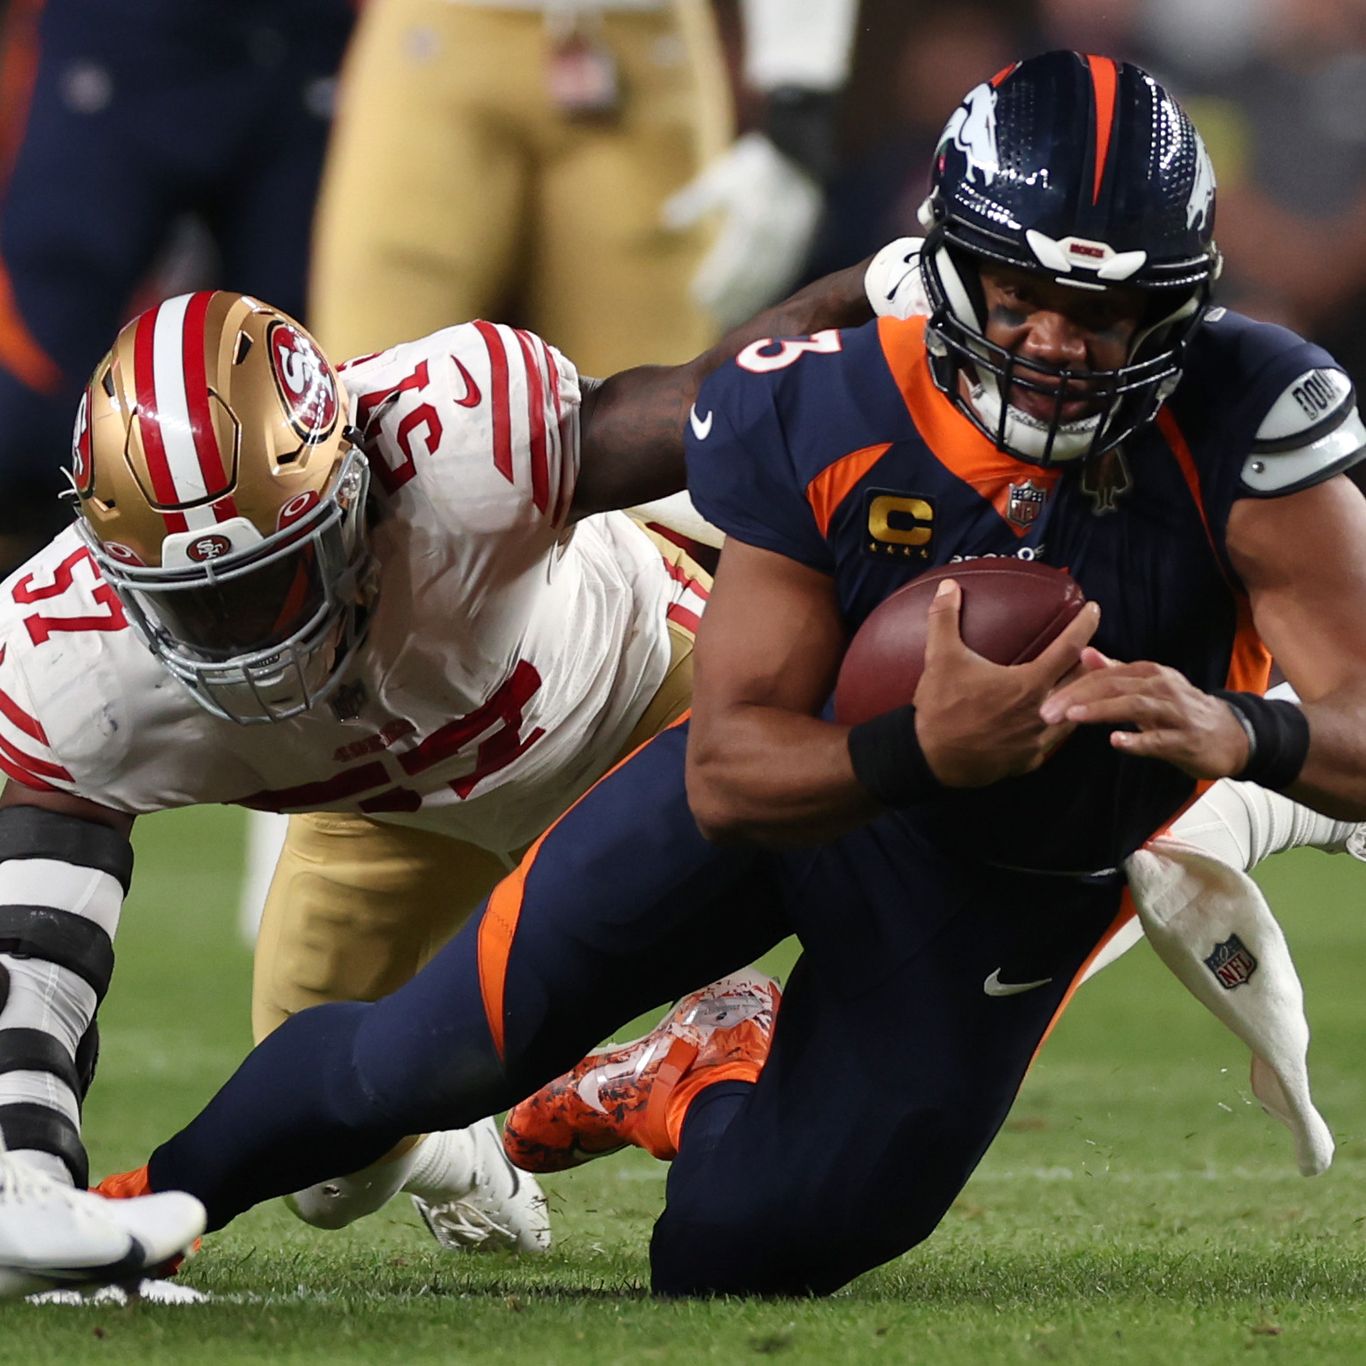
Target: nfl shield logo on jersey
point(1024, 503)
point(1231, 962)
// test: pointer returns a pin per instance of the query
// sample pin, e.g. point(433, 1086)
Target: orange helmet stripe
point(1105, 88)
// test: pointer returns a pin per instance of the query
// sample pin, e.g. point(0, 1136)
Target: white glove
point(892, 281)
point(769, 207)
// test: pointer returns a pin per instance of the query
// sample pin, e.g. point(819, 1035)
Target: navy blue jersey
point(838, 451)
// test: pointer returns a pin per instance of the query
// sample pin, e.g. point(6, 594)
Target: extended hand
point(1173, 719)
point(977, 721)
point(768, 208)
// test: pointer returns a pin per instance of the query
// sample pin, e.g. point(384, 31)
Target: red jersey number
point(110, 617)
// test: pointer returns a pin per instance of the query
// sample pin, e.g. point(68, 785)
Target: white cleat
point(500, 1208)
point(53, 1235)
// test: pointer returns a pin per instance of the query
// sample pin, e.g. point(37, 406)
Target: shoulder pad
point(892, 280)
point(1312, 431)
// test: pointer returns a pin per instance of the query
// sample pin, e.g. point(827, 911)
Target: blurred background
point(625, 176)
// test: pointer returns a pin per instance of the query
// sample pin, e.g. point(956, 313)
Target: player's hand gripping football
point(978, 722)
point(1172, 718)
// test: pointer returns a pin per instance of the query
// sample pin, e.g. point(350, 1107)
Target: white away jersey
point(508, 657)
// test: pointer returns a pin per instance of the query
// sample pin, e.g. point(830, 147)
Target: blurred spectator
point(514, 158)
point(117, 119)
point(1286, 124)
point(912, 65)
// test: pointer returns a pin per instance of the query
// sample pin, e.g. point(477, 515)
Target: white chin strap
point(1027, 434)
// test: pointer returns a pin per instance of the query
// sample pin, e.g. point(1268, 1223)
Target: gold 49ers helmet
point(224, 502)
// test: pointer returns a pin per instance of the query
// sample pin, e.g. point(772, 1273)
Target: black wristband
point(800, 123)
point(888, 760)
point(1278, 738)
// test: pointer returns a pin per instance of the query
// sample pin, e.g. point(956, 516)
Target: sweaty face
point(1058, 327)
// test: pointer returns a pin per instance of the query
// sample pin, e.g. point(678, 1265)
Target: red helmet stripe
point(149, 416)
point(1104, 88)
point(197, 400)
point(1002, 74)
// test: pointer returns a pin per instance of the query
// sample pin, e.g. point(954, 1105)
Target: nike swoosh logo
point(993, 986)
point(472, 395)
point(701, 426)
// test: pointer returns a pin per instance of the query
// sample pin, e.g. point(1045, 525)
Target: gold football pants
point(456, 189)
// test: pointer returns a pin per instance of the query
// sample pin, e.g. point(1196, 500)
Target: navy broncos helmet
point(1083, 170)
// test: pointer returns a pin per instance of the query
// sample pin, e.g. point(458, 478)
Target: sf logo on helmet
point(209, 547)
point(305, 384)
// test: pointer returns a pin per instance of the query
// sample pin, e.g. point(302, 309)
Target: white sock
point(444, 1169)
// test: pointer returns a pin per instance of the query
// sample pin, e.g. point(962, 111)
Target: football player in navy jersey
point(950, 868)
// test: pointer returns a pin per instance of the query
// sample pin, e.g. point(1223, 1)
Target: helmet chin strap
point(1026, 435)
point(1022, 434)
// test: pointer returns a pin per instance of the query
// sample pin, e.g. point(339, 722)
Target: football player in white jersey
point(375, 595)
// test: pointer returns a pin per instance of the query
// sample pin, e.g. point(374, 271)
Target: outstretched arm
point(632, 423)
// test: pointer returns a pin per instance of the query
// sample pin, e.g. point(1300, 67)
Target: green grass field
point(1138, 1207)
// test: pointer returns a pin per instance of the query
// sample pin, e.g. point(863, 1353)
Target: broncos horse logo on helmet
point(1085, 171)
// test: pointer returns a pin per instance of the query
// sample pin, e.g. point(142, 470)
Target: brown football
point(1011, 610)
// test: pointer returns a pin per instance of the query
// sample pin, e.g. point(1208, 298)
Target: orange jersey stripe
point(951, 437)
point(1105, 86)
point(498, 928)
point(831, 486)
point(1176, 443)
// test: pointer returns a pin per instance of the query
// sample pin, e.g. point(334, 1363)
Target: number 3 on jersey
point(759, 359)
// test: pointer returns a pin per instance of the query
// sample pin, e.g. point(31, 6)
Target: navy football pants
point(891, 1070)
point(118, 118)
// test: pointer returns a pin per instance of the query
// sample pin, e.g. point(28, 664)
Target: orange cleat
point(124, 1185)
point(127, 1186)
point(638, 1093)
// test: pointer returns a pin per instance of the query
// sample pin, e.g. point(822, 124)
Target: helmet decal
point(82, 466)
point(1105, 90)
point(1200, 206)
point(210, 546)
point(972, 130)
point(306, 386)
point(124, 554)
point(297, 506)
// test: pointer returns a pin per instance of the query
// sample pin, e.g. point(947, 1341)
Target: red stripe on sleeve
point(1105, 87)
point(31, 764)
point(20, 719)
point(560, 438)
point(535, 416)
point(12, 770)
point(502, 416)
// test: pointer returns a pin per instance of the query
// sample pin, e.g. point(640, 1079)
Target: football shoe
point(636, 1093)
point(495, 1205)
point(52, 1235)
